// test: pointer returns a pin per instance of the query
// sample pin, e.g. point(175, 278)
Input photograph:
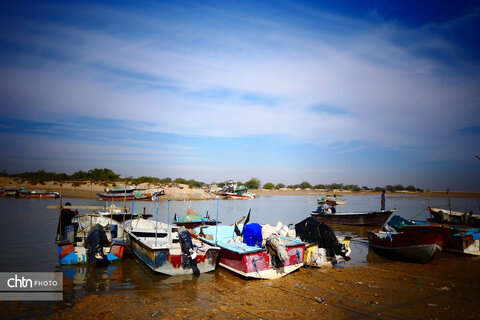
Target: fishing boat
point(116, 196)
point(457, 238)
point(120, 214)
point(323, 247)
point(149, 195)
point(41, 194)
point(90, 239)
point(405, 239)
point(119, 193)
point(370, 218)
point(170, 250)
point(235, 192)
point(331, 200)
point(447, 216)
point(192, 220)
point(248, 256)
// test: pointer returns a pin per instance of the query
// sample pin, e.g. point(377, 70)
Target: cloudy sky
point(369, 93)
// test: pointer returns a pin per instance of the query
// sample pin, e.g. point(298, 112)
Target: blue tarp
point(252, 235)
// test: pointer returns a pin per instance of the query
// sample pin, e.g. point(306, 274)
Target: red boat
point(41, 194)
point(413, 242)
point(115, 196)
point(252, 261)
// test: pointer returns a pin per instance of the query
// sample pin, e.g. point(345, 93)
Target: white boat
point(170, 250)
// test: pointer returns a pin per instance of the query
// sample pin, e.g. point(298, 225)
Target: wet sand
point(446, 288)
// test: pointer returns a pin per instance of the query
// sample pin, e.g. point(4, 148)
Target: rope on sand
point(331, 304)
point(357, 300)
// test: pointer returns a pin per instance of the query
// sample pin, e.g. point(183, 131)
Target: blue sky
point(369, 93)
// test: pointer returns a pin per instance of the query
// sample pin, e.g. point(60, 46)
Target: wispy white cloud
point(151, 73)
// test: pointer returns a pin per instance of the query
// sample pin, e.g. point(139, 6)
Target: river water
point(27, 231)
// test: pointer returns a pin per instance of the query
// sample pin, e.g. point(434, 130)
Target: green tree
point(268, 186)
point(305, 185)
point(279, 186)
point(319, 186)
point(253, 183)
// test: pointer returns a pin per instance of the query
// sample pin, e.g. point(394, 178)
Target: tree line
point(107, 175)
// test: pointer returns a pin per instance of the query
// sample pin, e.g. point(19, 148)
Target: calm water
point(27, 231)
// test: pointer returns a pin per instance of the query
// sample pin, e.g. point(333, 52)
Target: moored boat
point(121, 214)
point(371, 218)
point(90, 239)
point(401, 238)
point(277, 257)
point(170, 251)
point(192, 220)
point(116, 196)
point(447, 216)
point(41, 194)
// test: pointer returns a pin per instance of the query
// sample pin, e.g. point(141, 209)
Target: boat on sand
point(254, 255)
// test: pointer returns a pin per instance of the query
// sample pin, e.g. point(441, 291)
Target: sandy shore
point(446, 288)
point(183, 192)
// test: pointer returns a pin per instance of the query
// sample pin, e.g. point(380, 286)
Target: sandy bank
point(446, 288)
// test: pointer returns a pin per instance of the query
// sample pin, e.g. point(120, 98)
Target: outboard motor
point(94, 243)
point(277, 250)
point(188, 251)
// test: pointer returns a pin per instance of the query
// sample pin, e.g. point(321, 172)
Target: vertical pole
point(156, 223)
point(168, 221)
point(131, 214)
point(216, 222)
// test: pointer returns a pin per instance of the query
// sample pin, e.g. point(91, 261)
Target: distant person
point(326, 208)
point(333, 209)
point(382, 202)
point(66, 216)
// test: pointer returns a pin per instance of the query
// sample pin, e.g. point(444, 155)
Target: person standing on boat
point(382, 202)
point(66, 216)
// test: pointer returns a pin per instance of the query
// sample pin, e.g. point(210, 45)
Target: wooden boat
point(98, 240)
point(252, 261)
point(192, 220)
point(458, 238)
point(116, 196)
point(235, 192)
point(446, 216)
point(149, 195)
point(410, 241)
point(240, 195)
point(323, 247)
point(372, 218)
point(40, 194)
point(331, 200)
point(118, 214)
point(170, 251)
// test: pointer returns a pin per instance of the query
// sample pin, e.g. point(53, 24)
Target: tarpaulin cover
point(312, 231)
point(252, 234)
point(398, 222)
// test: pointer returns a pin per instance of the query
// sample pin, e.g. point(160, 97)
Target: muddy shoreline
point(446, 288)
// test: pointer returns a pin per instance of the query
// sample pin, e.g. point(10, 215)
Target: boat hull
point(415, 243)
point(115, 196)
point(258, 265)
point(70, 253)
point(376, 218)
point(168, 261)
